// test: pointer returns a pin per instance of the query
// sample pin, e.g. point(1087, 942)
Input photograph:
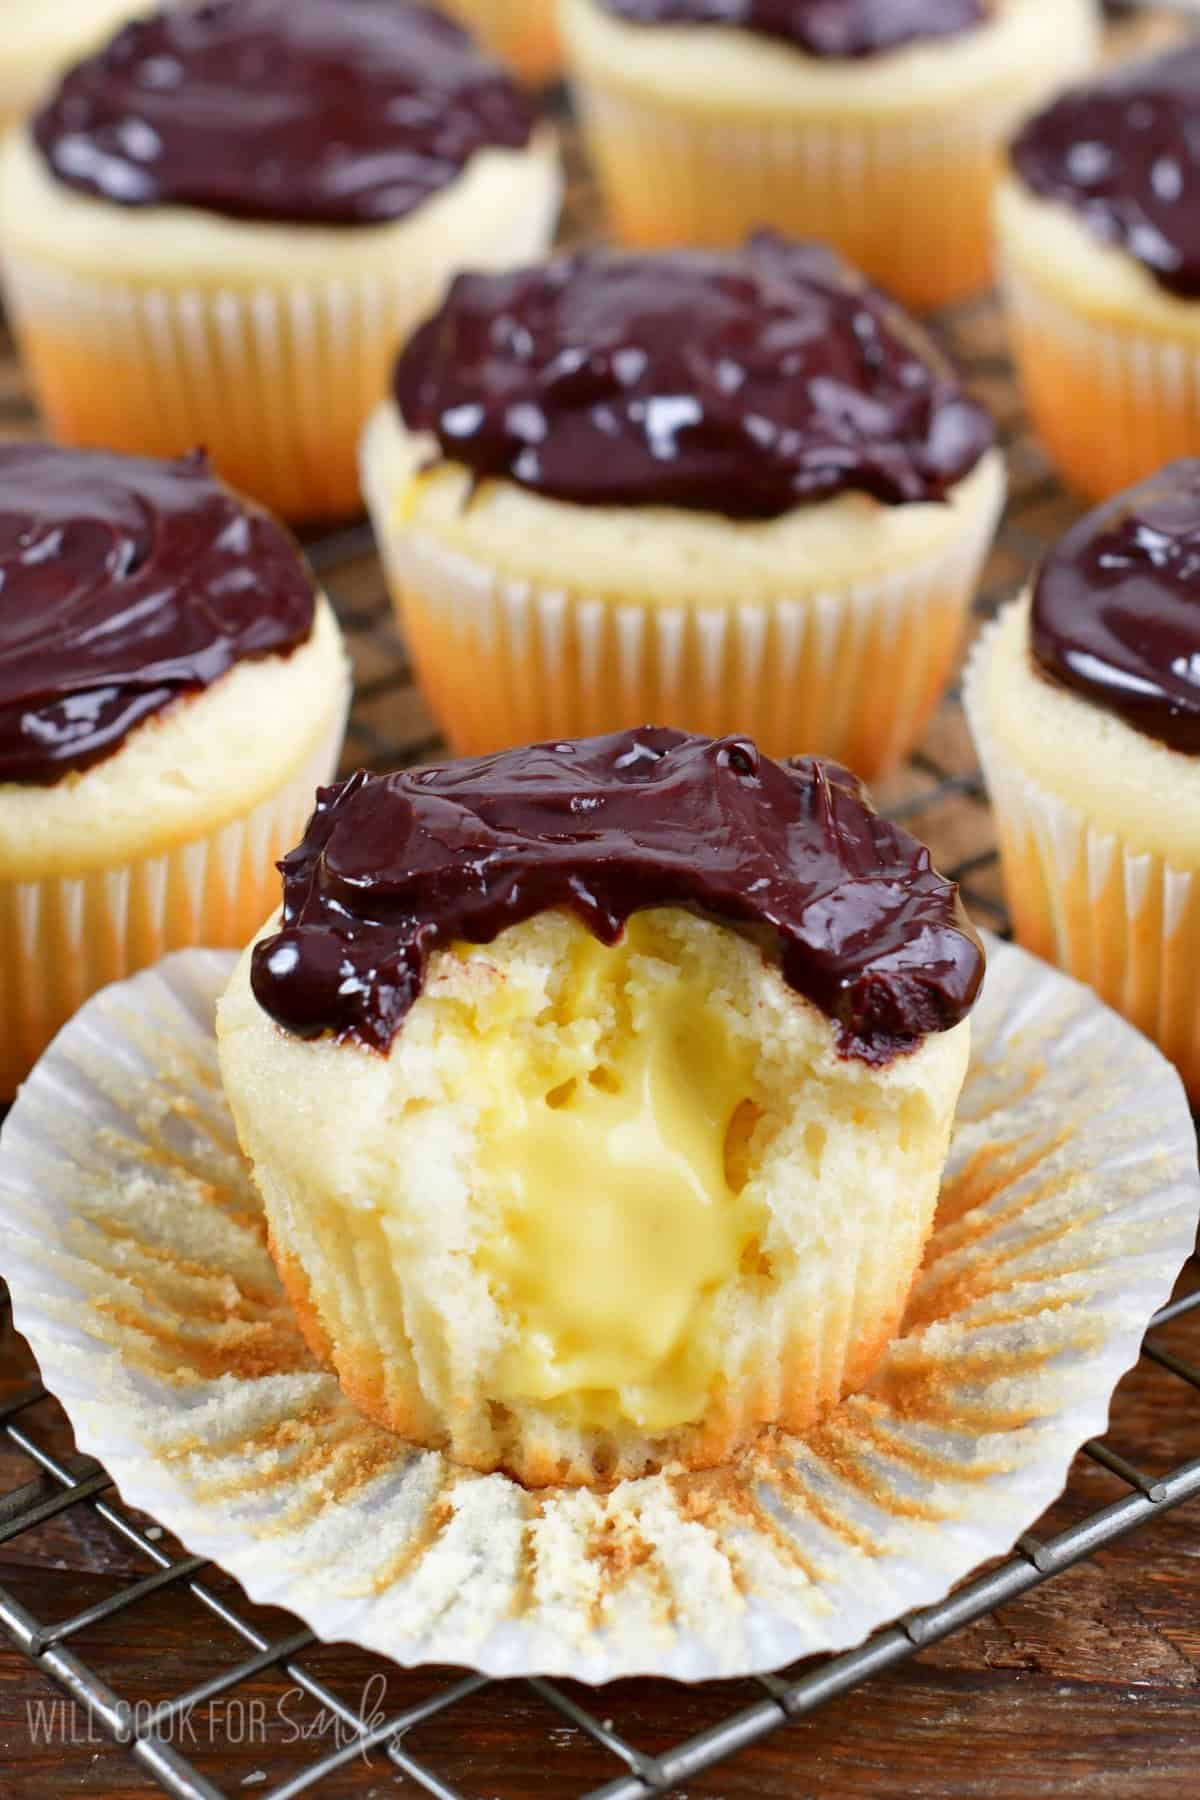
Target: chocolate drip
point(318, 112)
point(827, 28)
point(743, 382)
point(125, 584)
point(1116, 608)
point(1124, 154)
point(393, 868)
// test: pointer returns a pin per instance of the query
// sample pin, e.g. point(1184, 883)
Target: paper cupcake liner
point(524, 33)
point(908, 203)
point(275, 382)
point(63, 938)
point(851, 671)
point(1124, 921)
point(1144, 386)
point(132, 1240)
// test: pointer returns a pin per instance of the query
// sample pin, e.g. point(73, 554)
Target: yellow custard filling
point(616, 1160)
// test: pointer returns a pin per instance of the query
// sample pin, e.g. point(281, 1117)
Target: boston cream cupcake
point(219, 227)
point(524, 33)
point(171, 686)
point(876, 125)
point(1085, 703)
point(40, 37)
point(735, 489)
point(1099, 224)
point(598, 1094)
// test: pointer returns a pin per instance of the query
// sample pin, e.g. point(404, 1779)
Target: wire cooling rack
point(337, 1730)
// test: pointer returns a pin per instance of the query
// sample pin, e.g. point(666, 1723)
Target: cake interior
point(616, 1157)
point(599, 1208)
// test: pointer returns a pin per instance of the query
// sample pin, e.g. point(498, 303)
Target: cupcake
point(736, 489)
point(875, 125)
point(523, 33)
point(1099, 228)
point(1084, 699)
point(598, 1094)
point(219, 227)
point(172, 685)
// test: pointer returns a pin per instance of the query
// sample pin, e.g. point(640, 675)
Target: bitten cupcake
point(734, 489)
point(172, 684)
point(1099, 227)
point(1084, 699)
point(38, 38)
point(524, 33)
point(220, 226)
point(598, 1094)
point(874, 125)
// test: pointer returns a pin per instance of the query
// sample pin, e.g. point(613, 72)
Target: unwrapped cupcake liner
point(851, 671)
point(64, 937)
point(275, 382)
point(132, 1240)
point(907, 201)
point(1122, 920)
point(523, 32)
point(1143, 386)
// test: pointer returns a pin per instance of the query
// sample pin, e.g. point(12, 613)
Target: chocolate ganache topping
point(311, 111)
point(831, 28)
point(1116, 608)
point(1124, 154)
point(124, 585)
point(743, 382)
point(395, 867)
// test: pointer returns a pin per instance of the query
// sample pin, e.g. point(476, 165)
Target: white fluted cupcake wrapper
point(675, 176)
point(1076, 369)
point(63, 938)
point(1122, 920)
point(852, 671)
point(130, 1235)
point(275, 381)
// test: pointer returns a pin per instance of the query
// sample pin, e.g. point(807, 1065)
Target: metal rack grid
point(940, 793)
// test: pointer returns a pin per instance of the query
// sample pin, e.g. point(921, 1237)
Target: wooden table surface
point(1089, 1685)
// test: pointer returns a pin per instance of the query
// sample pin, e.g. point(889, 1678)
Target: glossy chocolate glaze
point(124, 585)
point(831, 28)
point(1116, 608)
point(393, 868)
point(1124, 154)
point(742, 382)
point(339, 112)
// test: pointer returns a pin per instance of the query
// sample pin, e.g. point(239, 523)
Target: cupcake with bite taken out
point(737, 489)
point(220, 225)
point(598, 1094)
point(1084, 699)
point(172, 684)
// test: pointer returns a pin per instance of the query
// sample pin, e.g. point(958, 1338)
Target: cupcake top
point(743, 382)
point(832, 28)
point(1123, 153)
point(393, 868)
point(124, 585)
point(288, 110)
point(1116, 608)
